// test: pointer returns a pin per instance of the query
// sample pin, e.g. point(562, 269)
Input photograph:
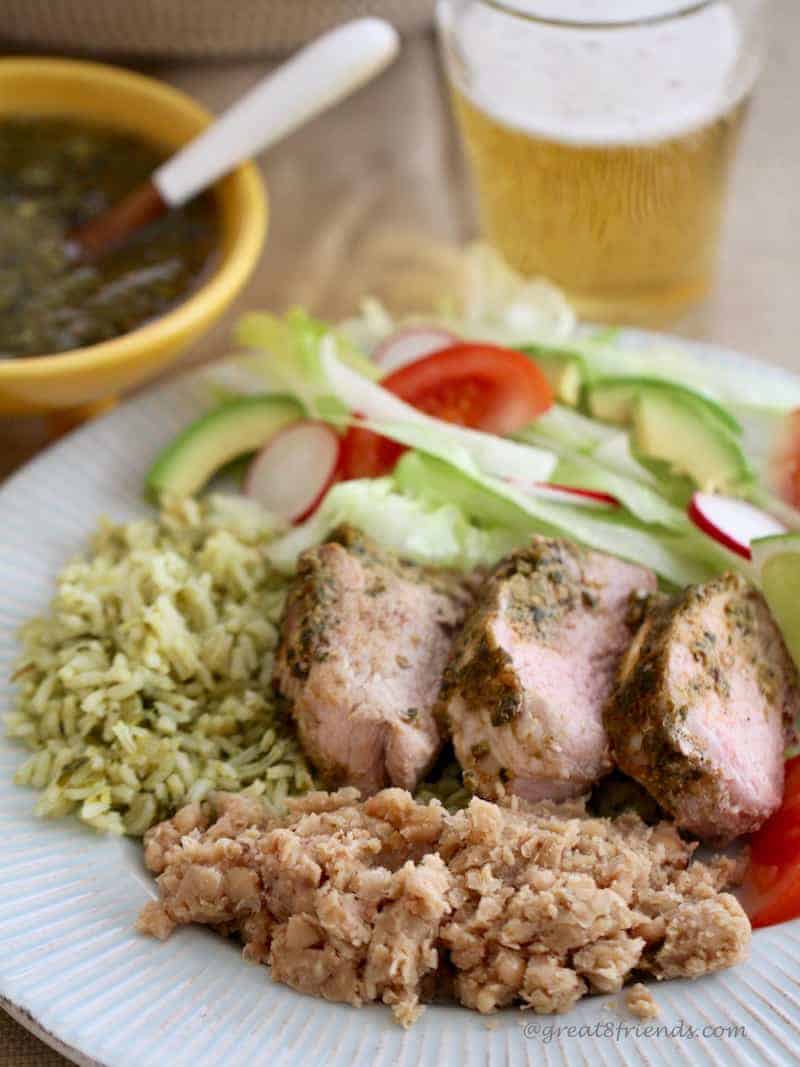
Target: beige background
point(368, 198)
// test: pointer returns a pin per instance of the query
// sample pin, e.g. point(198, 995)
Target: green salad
point(451, 438)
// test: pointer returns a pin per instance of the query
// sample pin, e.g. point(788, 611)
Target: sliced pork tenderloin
point(528, 676)
point(704, 706)
point(364, 642)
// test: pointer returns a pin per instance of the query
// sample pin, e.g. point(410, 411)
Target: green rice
point(148, 683)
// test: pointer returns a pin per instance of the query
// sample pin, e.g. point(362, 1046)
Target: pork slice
point(527, 679)
point(364, 642)
point(704, 706)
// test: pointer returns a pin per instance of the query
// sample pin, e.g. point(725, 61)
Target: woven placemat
point(190, 28)
point(19, 1048)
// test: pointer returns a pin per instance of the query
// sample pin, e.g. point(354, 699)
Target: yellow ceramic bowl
point(162, 115)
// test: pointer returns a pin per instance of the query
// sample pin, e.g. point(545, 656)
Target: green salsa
point(56, 174)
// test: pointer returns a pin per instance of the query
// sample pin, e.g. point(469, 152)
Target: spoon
point(316, 78)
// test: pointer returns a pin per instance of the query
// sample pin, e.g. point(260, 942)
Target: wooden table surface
point(371, 198)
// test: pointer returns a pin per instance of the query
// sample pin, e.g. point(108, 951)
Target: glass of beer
point(600, 136)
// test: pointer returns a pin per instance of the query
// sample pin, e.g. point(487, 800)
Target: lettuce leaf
point(678, 558)
point(430, 533)
point(733, 382)
point(511, 308)
point(584, 472)
point(483, 300)
point(288, 356)
point(594, 456)
point(561, 426)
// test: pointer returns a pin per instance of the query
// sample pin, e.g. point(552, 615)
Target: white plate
point(72, 968)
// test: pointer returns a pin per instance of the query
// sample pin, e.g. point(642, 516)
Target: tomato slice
point(785, 461)
point(483, 386)
point(368, 455)
point(772, 884)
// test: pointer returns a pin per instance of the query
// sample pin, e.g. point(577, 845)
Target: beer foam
point(594, 85)
point(599, 11)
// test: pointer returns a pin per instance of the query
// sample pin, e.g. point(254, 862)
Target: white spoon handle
point(320, 75)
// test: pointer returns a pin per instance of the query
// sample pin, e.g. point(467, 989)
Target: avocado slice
point(669, 428)
point(613, 400)
point(565, 371)
point(208, 444)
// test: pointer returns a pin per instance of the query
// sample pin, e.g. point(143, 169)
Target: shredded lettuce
point(452, 500)
point(736, 383)
point(446, 515)
point(785, 513)
point(287, 355)
point(598, 457)
point(617, 455)
point(498, 299)
point(584, 472)
point(315, 366)
point(431, 533)
point(678, 559)
point(488, 301)
point(561, 426)
point(366, 330)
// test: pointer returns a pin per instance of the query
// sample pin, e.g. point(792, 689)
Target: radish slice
point(590, 497)
point(734, 523)
point(410, 344)
point(294, 470)
point(567, 494)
